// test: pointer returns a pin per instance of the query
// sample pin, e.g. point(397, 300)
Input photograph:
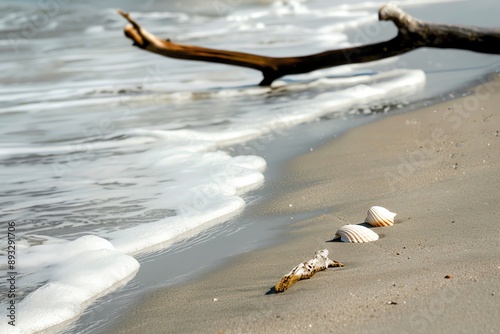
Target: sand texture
point(438, 168)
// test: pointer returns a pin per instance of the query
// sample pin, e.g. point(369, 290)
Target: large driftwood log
point(306, 270)
point(412, 34)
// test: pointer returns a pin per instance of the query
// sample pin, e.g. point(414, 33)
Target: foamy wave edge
point(77, 272)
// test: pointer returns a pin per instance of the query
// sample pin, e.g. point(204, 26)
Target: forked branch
point(412, 34)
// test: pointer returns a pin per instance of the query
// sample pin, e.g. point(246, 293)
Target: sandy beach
point(437, 167)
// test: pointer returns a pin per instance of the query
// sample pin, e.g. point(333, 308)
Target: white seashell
point(356, 234)
point(379, 216)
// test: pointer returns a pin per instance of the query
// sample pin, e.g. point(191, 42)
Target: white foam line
point(77, 272)
point(143, 237)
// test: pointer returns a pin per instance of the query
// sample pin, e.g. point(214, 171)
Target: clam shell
point(356, 234)
point(379, 216)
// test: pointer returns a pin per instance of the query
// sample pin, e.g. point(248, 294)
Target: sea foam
point(72, 273)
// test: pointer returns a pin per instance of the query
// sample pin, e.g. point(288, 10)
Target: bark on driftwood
point(306, 270)
point(412, 34)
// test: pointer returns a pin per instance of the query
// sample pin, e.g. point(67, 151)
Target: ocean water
point(108, 152)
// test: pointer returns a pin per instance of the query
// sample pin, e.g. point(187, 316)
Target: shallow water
point(108, 152)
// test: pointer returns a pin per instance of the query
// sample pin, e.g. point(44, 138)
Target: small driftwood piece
point(412, 34)
point(306, 270)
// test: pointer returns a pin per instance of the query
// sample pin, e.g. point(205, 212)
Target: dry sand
point(438, 168)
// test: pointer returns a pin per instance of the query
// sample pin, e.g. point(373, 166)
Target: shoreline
point(424, 185)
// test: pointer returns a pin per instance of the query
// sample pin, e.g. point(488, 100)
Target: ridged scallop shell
point(379, 216)
point(356, 234)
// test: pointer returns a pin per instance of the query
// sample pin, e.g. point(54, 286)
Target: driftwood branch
point(412, 34)
point(306, 270)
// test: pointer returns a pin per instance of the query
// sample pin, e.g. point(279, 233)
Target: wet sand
point(437, 167)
